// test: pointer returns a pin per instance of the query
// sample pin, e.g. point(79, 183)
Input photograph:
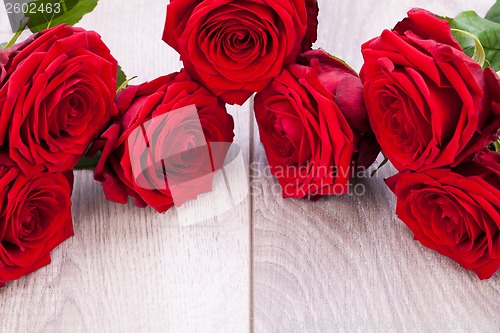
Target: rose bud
point(429, 103)
point(158, 152)
point(57, 94)
point(35, 217)
point(235, 48)
point(455, 212)
point(314, 127)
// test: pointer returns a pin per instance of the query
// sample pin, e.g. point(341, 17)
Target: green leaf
point(125, 84)
point(488, 33)
point(88, 163)
point(493, 57)
point(2, 46)
point(17, 34)
point(494, 13)
point(478, 54)
point(69, 12)
point(495, 146)
point(120, 78)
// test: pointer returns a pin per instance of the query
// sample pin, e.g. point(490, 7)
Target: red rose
point(57, 93)
point(455, 212)
point(148, 130)
point(35, 217)
point(429, 103)
point(311, 36)
point(313, 124)
point(235, 47)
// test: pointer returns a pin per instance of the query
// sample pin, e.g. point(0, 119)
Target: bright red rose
point(429, 103)
point(57, 94)
point(455, 212)
point(35, 217)
point(235, 47)
point(314, 126)
point(172, 151)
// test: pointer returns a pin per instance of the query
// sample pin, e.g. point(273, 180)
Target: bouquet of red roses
point(57, 91)
point(65, 104)
point(428, 97)
point(435, 111)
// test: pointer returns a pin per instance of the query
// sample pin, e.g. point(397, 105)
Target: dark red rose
point(455, 212)
point(314, 126)
point(311, 36)
point(175, 157)
point(57, 94)
point(429, 103)
point(35, 217)
point(235, 47)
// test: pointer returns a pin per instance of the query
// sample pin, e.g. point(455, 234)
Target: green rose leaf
point(494, 13)
point(120, 78)
point(493, 57)
point(49, 13)
point(122, 81)
point(486, 31)
point(478, 54)
point(18, 33)
point(88, 163)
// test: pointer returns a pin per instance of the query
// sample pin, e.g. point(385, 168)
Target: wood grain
point(348, 264)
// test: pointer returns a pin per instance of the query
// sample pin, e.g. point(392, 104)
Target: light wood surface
point(269, 265)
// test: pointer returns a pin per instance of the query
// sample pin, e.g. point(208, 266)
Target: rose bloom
point(314, 126)
point(35, 217)
point(57, 92)
point(455, 212)
point(235, 47)
point(174, 153)
point(429, 103)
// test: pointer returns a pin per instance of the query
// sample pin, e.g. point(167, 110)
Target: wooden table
point(269, 265)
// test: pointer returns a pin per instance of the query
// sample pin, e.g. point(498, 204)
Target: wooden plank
point(132, 270)
point(348, 264)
